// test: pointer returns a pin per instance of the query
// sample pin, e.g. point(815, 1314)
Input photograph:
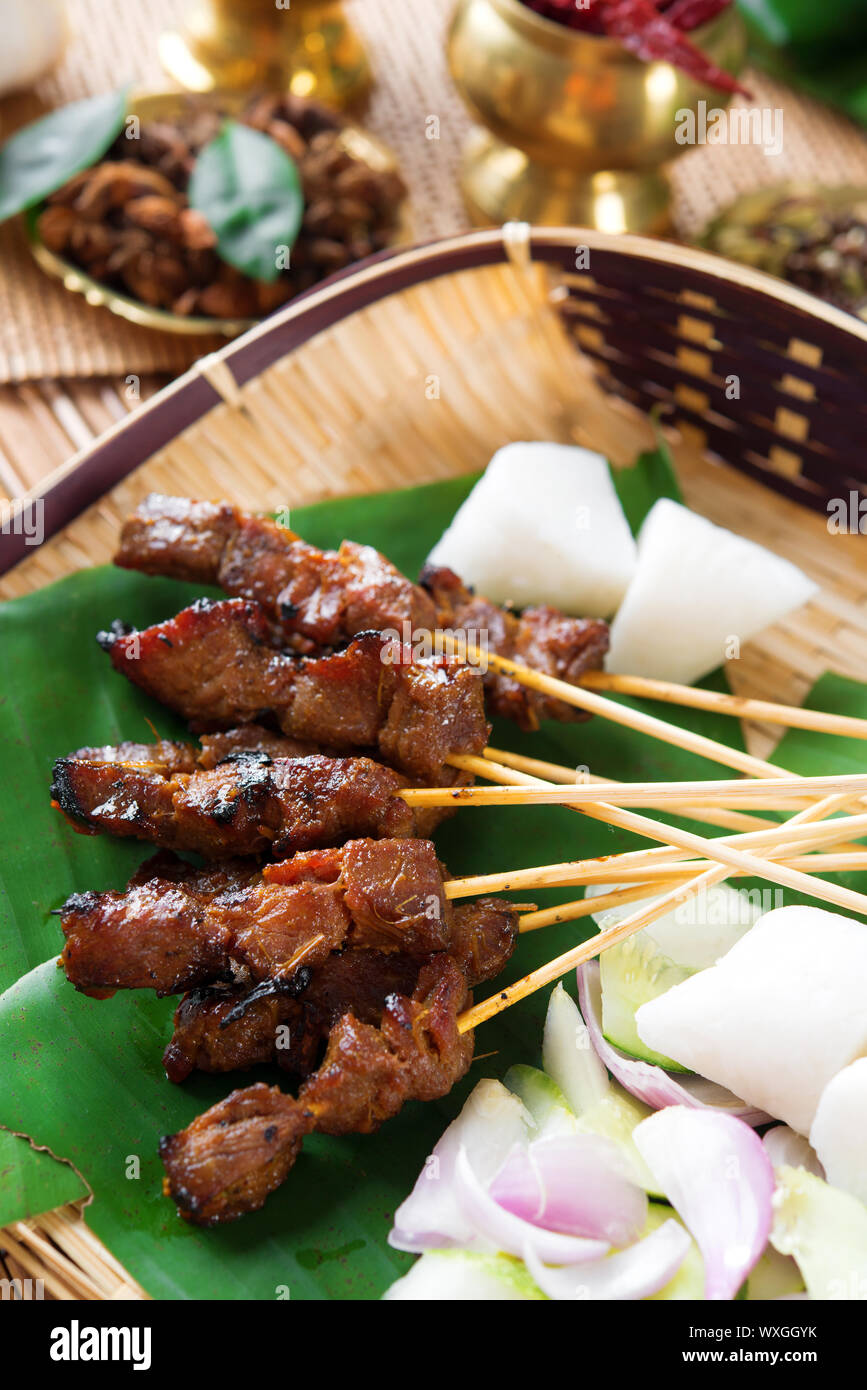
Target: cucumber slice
point(688, 1282)
point(825, 1231)
point(545, 1102)
point(465, 1276)
point(568, 1055)
point(615, 1117)
point(775, 1276)
point(687, 939)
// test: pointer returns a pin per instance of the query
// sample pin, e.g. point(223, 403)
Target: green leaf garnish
point(250, 192)
point(43, 156)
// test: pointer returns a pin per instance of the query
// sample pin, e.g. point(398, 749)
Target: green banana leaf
point(821, 48)
point(32, 1181)
point(84, 1078)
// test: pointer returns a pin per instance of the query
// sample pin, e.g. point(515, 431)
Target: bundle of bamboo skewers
point(684, 863)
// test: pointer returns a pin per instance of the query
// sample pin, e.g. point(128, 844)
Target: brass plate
point(168, 106)
point(728, 234)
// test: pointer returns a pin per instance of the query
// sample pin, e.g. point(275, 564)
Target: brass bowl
point(576, 127)
point(306, 47)
point(169, 106)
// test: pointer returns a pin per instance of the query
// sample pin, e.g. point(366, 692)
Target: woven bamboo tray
point(418, 366)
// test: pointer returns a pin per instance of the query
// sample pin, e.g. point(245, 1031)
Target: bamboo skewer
point(593, 703)
point(720, 850)
point(613, 869)
point(773, 793)
point(752, 839)
point(652, 877)
point(555, 772)
point(740, 706)
point(579, 955)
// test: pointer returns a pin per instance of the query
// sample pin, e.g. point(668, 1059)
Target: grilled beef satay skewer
point(249, 804)
point(223, 1028)
point(230, 1158)
point(177, 927)
point(213, 665)
point(316, 599)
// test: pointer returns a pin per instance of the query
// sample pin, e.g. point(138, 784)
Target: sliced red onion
point(656, 1087)
point(491, 1123)
point(717, 1175)
point(786, 1149)
point(641, 1270)
point(510, 1233)
point(575, 1184)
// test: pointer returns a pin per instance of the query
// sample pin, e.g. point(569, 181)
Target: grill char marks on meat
point(222, 1029)
point(177, 927)
point(169, 758)
point(246, 805)
point(212, 665)
point(315, 598)
point(541, 637)
point(230, 1158)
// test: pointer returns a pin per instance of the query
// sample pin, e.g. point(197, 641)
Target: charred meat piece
point(315, 598)
point(232, 1157)
point(248, 804)
point(168, 757)
point(181, 927)
point(230, 1028)
point(212, 663)
point(177, 927)
point(541, 637)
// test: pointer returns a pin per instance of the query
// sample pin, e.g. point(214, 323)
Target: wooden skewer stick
point(722, 851)
point(664, 853)
point(776, 793)
point(561, 965)
point(650, 879)
point(741, 706)
point(555, 772)
point(619, 870)
point(586, 907)
point(588, 700)
point(578, 955)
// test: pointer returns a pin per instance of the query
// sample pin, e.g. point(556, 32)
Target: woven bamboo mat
point(47, 332)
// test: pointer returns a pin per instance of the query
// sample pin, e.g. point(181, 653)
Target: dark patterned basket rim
point(640, 270)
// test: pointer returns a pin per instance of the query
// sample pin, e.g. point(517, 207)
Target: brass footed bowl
point(575, 126)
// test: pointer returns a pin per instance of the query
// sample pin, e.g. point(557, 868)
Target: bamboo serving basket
point(418, 365)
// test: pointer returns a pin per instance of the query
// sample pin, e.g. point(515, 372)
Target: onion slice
point(656, 1087)
point(637, 1272)
point(718, 1177)
point(511, 1234)
point(786, 1149)
point(575, 1184)
point(491, 1124)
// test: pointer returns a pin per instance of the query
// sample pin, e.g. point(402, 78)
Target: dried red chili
point(690, 14)
point(648, 32)
point(651, 37)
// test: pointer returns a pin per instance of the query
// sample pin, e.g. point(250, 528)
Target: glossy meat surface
point(317, 599)
point(213, 665)
point(230, 1158)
